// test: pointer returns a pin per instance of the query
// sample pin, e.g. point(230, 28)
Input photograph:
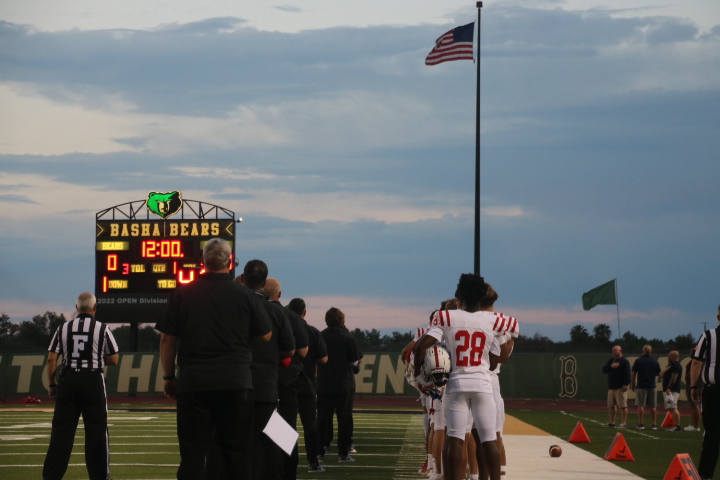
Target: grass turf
point(144, 447)
point(144, 444)
point(653, 450)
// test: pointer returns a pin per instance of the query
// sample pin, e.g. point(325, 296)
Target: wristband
point(169, 377)
point(53, 385)
point(695, 386)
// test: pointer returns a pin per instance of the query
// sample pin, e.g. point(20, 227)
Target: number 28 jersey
point(470, 337)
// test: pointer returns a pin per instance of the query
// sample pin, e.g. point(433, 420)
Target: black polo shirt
point(307, 380)
point(266, 359)
point(288, 375)
point(647, 369)
point(214, 319)
point(336, 377)
point(617, 377)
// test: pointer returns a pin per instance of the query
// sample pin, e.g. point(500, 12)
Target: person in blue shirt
point(618, 371)
point(644, 374)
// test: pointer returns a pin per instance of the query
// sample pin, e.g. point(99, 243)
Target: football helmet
point(437, 365)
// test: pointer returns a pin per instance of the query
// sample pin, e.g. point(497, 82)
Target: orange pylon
point(619, 450)
point(579, 435)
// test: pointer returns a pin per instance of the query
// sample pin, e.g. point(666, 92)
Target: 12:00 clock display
point(164, 260)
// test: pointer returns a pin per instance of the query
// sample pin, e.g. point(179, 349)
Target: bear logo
point(164, 204)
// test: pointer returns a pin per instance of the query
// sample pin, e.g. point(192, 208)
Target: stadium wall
point(527, 375)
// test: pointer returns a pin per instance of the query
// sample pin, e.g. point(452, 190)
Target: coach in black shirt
point(268, 357)
point(307, 386)
point(86, 346)
point(284, 467)
point(705, 371)
point(336, 382)
point(210, 323)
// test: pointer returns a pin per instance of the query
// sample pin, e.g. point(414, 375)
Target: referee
point(86, 346)
point(705, 371)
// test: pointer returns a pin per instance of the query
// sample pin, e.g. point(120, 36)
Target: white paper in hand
point(281, 433)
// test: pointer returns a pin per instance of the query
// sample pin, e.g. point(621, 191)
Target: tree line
point(599, 341)
point(35, 335)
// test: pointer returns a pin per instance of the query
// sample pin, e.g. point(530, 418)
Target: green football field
point(144, 445)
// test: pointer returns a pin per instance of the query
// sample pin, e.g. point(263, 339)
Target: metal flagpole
point(477, 150)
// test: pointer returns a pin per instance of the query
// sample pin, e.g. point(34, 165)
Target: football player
point(469, 334)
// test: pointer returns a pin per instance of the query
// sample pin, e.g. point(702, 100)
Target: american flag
point(457, 44)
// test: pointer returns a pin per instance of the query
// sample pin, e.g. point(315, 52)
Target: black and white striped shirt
point(707, 352)
point(84, 343)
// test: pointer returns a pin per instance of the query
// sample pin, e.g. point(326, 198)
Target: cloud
point(288, 8)
point(15, 199)
point(367, 313)
point(22, 310)
point(351, 163)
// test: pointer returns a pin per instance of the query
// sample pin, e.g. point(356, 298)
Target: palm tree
point(579, 334)
point(602, 332)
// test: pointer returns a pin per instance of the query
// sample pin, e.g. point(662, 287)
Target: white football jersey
point(419, 332)
point(470, 337)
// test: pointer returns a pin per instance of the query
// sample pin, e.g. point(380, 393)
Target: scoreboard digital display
point(138, 263)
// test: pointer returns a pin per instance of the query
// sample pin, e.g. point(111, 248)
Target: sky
point(352, 163)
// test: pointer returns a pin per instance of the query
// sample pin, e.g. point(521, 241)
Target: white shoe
point(690, 428)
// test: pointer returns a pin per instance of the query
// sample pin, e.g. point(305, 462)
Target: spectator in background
point(618, 371)
point(644, 373)
point(671, 376)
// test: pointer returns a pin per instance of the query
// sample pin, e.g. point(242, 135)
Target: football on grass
point(555, 451)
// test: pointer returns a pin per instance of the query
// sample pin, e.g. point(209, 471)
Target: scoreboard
point(138, 263)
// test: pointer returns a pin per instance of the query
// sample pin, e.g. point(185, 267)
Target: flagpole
point(617, 305)
point(477, 150)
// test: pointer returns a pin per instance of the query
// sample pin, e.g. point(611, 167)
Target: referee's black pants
point(79, 393)
point(711, 422)
point(231, 413)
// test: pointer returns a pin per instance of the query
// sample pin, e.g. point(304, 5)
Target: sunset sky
point(352, 163)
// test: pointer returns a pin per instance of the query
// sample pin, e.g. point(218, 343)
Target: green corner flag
point(602, 295)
